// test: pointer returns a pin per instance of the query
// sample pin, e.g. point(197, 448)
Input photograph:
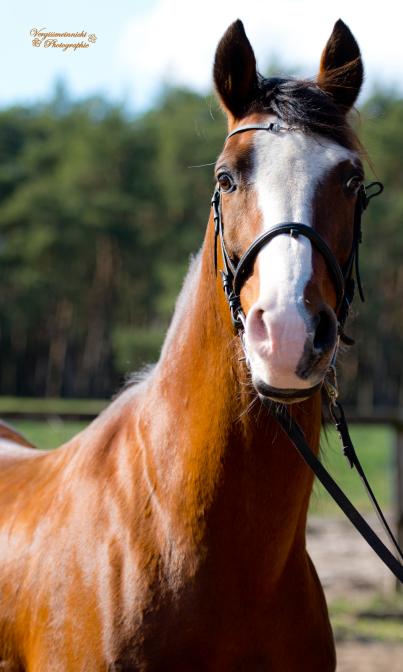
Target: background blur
point(104, 195)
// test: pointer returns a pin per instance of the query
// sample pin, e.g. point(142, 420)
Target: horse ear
point(235, 76)
point(341, 70)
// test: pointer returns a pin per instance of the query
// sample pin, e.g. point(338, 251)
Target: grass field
point(373, 444)
point(50, 433)
point(51, 406)
point(377, 619)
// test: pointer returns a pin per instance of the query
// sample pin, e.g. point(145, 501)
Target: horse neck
point(220, 465)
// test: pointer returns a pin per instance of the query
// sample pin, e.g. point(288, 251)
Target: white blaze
point(288, 167)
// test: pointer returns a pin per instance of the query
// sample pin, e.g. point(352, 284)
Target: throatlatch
point(234, 276)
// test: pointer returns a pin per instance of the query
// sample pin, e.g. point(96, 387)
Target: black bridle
point(234, 276)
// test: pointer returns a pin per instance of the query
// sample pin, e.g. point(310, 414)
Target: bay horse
point(170, 534)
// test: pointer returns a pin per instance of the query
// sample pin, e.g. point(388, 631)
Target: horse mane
point(184, 299)
point(302, 103)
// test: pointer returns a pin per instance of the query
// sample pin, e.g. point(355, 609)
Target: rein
point(234, 276)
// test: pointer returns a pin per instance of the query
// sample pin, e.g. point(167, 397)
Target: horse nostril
point(325, 333)
point(257, 326)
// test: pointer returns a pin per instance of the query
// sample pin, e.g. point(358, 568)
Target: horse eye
point(354, 183)
point(226, 182)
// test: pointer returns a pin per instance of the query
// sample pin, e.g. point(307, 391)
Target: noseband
point(234, 275)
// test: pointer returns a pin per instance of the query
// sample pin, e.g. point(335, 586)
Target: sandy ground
point(349, 569)
point(347, 566)
point(370, 657)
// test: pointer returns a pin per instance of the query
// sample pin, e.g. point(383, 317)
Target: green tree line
point(99, 213)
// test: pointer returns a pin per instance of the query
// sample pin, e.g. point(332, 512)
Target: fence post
point(399, 488)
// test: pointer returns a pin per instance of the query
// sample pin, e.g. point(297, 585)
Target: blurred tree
point(377, 362)
point(90, 204)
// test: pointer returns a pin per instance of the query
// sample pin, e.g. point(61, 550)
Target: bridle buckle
point(331, 384)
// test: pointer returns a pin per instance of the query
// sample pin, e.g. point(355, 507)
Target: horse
point(170, 534)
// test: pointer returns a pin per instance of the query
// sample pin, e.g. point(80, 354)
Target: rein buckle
point(331, 385)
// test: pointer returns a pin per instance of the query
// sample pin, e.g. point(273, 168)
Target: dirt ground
point(350, 570)
point(369, 657)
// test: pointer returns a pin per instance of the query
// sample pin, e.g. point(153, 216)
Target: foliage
point(377, 363)
point(98, 216)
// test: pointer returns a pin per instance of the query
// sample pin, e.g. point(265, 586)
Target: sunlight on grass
point(374, 446)
point(379, 619)
point(50, 433)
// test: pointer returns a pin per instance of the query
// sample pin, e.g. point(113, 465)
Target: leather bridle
point(234, 276)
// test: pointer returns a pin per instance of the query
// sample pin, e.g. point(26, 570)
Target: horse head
point(289, 180)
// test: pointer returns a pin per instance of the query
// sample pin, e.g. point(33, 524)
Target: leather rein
point(234, 275)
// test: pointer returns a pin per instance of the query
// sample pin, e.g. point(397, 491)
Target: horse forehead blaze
point(284, 169)
point(289, 166)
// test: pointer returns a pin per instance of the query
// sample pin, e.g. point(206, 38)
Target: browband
point(272, 127)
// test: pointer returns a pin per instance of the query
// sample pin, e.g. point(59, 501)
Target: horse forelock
point(302, 103)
